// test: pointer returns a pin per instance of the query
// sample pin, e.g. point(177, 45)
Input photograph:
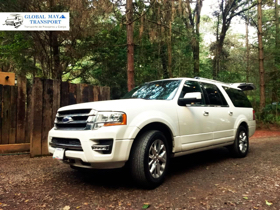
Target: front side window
point(213, 95)
point(191, 87)
point(238, 97)
point(11, 17)
point(158, 90)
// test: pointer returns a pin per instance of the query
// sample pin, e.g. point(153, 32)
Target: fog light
point(101, 147)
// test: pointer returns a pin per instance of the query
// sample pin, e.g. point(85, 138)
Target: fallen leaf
point(85, 204)
point(256, 207)
point(246, 198)
point(268, 203)
point(145, 206)
point(78, 207)
point(66, 207)
point(26, 201)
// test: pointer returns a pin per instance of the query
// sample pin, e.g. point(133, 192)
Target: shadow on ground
point(119, 178)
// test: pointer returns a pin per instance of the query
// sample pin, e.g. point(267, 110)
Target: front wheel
point(240, 147)
point(150, 159)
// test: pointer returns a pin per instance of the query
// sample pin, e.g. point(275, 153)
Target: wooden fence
point(28, 111)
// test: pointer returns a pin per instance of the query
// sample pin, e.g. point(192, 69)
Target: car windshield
point(11, 17)
point(158, 90)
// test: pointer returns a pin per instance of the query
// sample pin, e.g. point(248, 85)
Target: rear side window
point(238, 97)
point(213, 95)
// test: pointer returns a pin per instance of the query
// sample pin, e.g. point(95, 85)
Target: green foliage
point(13, 51)
point(94, 51)
point(271, 113)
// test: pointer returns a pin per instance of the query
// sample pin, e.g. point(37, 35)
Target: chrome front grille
point(78, 119)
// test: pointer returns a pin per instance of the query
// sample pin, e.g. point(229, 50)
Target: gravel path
point(206, 180)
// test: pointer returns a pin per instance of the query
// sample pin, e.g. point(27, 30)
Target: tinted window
point(214, 95)
point(159, 90)
point(191, 87)
point(238, 97)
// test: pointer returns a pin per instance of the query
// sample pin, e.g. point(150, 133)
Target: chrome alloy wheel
point(157, 158)
point(243, 142)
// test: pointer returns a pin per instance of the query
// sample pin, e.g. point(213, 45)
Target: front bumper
point(88, 158)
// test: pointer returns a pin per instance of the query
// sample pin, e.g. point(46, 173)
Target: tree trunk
point(169, 37)
point(247, 50)
point(216, 60)
point(277, 44)
point(196, 48)
point(196, 58)
point(130, 45)
point(163, 57)
point(275, 86)
point(169, 49)
point(193, 23)
point(56, 57)
point(261, 57)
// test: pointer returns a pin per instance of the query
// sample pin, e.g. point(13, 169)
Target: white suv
point(152, 123)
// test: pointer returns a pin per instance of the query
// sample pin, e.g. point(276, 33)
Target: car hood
point(117, 105)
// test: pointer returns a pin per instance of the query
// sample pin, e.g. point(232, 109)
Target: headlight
point(110, 119)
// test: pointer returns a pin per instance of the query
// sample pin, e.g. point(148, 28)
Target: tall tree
point(277, 35)
point(247, 49)
point(130, 45)
point(228, 9)
point(192, 22)
point(275, 74)
point(169, 41)
point(261, 57)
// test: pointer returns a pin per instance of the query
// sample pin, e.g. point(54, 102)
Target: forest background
point(123, 43)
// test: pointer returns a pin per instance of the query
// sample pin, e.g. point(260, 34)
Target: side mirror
point(190, 98)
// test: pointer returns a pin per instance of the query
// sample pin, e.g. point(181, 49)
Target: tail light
point(254, 115)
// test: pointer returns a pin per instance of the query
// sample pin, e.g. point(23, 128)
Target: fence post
point(56, 97)
point(1, 111)
point(6, 123)
point(95, 93)
point(47, 113)
point(64, 94)
point(36, 118)
point(13, 115)
point(21, 99)
point(72, 94)
point(28, 113)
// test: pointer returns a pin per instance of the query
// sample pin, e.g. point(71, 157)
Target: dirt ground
point(206, 180)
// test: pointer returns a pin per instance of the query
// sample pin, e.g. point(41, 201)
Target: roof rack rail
point(211, 80)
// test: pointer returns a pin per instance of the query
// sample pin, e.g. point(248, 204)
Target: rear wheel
point(240, 147)
point(150, 159)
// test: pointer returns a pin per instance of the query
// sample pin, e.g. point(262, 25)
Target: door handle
point(205, 113)
point(230, 113)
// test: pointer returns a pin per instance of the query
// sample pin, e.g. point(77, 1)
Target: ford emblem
point(67, 119)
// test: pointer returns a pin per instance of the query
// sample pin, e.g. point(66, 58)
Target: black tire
point(142, 153)
point(240, 148)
